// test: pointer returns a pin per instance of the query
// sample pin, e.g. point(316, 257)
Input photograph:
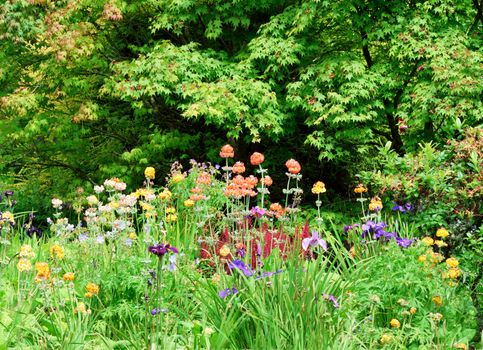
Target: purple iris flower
point(157, 311)
point(8, 193)
point(402, 208)
point(404, 242)
point(226, 292)
point(161, 249)
point(240, 265)
point(332, 299)
point(314, 241)
point(268, 274)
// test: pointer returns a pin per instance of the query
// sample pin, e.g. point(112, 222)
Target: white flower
point(56, 203)
point(98, 189)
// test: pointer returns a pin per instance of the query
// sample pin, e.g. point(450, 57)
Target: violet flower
point(240, 265)
point(314, 241)
point(257, 212)
point(226, 292)
point(332, 299)
point(161, 249)
point(404, 242)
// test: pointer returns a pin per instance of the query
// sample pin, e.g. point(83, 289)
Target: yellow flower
point(318, 188)
point(452, 262)
point(440, 244)
point(442, 233)
point(460, 346)
point(438, 300)
point(92, 288)
point(412, 310)
point(89, 295)
point(376, 204)
point(26, 251)
point(56, 251)
point(24, 265)
point(92, 200)
point(189, 203)
point(149, 172)
point(43, 271)
point(81, 307)
point(69, 276)
point(133, 236)
point(360, 189)
point(386, 338)
point(146, 206)
point(395, 323)
point(427, 241)
point(165, 195)
point(225, 251)
point(454, 273)
point(170, 210)
point(171, 217)
point(7, 217)
point(422, 258)
point(436, 317)
point(177, 178)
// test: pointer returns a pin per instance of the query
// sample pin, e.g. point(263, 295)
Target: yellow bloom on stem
point(442, 233)
point(26, 251)
point(43, 271)
point(68, 276)
point(360, 189)
point(460, 346)
point(386, 338)
point(24, 265)
point(376, 204)
point(177, 178)
point(318, 188)
point(438, 300)
point(440, 244)
point(454, 272)
point(149, 173)
point(428, 241)
point(56, 251)
point(225, 251)
point(395, 323)
point(165, 195)
point(422, 258)
point(452, 262)
point(170, 210)
point(412, 310)
point(92, 289)
point(6, 218)
point(189, 203)
point(133, 236)
point(81, 307)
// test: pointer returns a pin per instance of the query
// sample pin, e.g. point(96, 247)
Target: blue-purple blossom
point(314, 241)
point(226, 292)
point(257, 212)
point(157, 311)
point(404, 242)
point(268, 274)
point(161, 249)
point(82, 237)
point(8, 193)
point(402, 208)
point(240, 265)
point(332, 299)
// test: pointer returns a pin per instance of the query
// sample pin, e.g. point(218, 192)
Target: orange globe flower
point(267, 181)
point(293, 166)
point(257, 158)
point(238, 168)
point(227, 152)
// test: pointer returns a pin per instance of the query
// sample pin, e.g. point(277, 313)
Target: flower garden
point(201, 259)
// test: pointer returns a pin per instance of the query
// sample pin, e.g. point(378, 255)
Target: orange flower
point(238, 168)
point(92, 289)
point(251, 181)
point(227, 152)
point(277, 209)
point(267, 181)
point(360, 189)
point(438, 300)
point(204, 178)
point(69, 276)
point(257, 158)
point(239, 180)
point(293, 166)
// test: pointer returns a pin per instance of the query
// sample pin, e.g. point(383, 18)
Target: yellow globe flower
point(149, 173)
point(189, 203)
point(57, 252)
point(428, 241)
point(460, 346)
point(440, 244)
point(395, 323)
point(26, 251)
point(376, 204)
point(24, 265)
point(438, 300)
point(386, 338)
point(170, 210)
point(422, 258)
point(177, 178)
point(165, 195)
point(69, 276)
point(412, 310)
point(452, 262)
point(92, 288)
point(454, 272)
point(318, 188)
point(360, 189)
point(133, 236)
point(225, 251)
point(442, 233)
point(171, 217)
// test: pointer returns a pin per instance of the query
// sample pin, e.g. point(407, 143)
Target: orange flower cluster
point(238, 168)
point(197, 194)
point(227, 152)
point(257, 158)
point(360, 189)
point(293, 166)
point(43, 272)
point(241, 187)
point(267, 181)
point(204, 179)
point(277, 210)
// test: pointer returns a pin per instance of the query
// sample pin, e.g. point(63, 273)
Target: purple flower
point(226, 292)
point(161, 249)
point(268, 274)
point(404, 242)
point(257, 212)
point(240, 265)
point(156, 311)
point(332, 299)
point(402, 208)
point(8, 193)
point(314, 241)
